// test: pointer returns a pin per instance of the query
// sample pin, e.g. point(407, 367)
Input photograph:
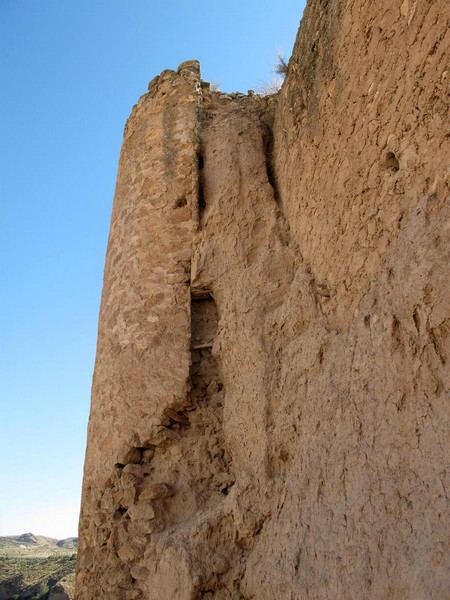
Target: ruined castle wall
point(143, 357)
point(270, 401)
point(362, 166)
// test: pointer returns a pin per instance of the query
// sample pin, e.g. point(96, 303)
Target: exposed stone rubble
point(270, 401)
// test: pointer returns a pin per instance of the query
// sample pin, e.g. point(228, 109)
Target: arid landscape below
point(35, 567)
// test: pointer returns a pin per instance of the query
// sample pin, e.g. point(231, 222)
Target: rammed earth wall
point(270, 401)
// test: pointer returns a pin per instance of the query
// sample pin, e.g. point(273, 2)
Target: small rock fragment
point(148, 454)
point(142, 511)
point(323, 290)
point(157, 491)
point(130, 456)
point(178, 417)
point(220, 565)
point(212, 389)
point(127, 553)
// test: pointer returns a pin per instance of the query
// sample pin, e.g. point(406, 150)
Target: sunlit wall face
point(70, 74)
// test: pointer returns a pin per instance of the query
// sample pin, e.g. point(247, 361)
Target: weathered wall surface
point(270, 401)
point(362, 163)
point(143, 358)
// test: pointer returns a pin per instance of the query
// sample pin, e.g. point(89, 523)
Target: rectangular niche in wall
point(205, 379)
point(204, 320)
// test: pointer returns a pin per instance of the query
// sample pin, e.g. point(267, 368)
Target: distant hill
point(69, 543)
point(36, 567)
point(35, 544)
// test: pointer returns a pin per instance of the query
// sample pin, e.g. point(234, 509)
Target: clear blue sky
point(70, 72)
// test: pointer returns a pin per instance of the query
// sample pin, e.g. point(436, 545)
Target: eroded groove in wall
point(207, 393)
point(268, 141)
point(201, 186)
point(268, 151)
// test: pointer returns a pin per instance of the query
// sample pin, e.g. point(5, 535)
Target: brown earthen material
point(270, 402)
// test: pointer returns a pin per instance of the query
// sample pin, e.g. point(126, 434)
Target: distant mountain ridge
point(29, 540)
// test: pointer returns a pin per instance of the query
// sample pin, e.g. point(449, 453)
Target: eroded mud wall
point(362, 165)
point(143, 358)
point(270, 400)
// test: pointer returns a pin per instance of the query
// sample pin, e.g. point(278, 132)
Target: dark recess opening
point(203, 319)
point(268, 152)
point(392, 162)
point(181, 202)
point(201, 186)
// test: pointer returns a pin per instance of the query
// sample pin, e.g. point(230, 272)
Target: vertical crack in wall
point(266, 119)
point(201, 200)
point(268, 140)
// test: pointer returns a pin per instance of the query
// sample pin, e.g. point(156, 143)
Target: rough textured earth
point(270, 401)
